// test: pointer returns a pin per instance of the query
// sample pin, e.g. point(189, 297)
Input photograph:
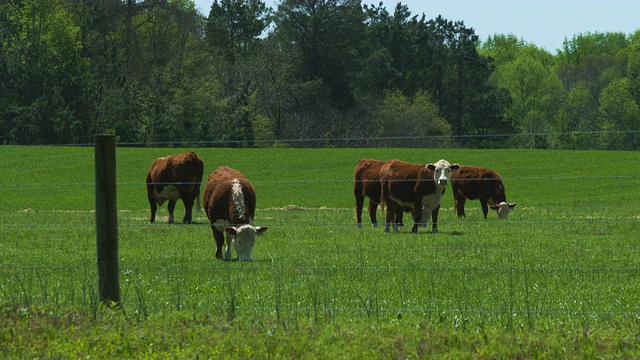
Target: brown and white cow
point(420, 187)
point(471, 182)
point(366, 183)
point(230, 203)
point(173, 178)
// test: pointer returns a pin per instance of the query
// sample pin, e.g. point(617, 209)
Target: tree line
point(308, 73)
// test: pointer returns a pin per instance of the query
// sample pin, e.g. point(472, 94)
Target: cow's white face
point(243, 238)
point(503, 209)
point(442, 171)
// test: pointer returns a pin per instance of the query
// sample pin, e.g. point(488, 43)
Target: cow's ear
point(231, 230)
point(260, 229)
point(431, 167)
point(455, 167)
point(494, 207)
point(512, 205)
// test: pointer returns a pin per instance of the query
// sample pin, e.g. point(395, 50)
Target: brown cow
point(420, 187)
point(173, 178)
point(230, 203)
point(471, 182)
point(366, 183)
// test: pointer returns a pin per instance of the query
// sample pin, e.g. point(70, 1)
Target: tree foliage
point(307, 73)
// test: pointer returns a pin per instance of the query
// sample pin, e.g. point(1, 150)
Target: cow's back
point(400, 179)
point(186, 167)
point(218, 196)
point(477, 182)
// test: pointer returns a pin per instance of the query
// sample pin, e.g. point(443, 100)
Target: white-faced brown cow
point(366, 183)
point(420, 187)
point(230, 203)
point(173, 178)
point(471, 182)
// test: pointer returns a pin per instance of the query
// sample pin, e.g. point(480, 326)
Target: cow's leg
point(418, 217)
point(399, 215)
point(394, 211)
point(218, 236)
point(187, 200)
point(390, 218)
point(359, 195)
point(459, 204)
point(373, 207)
point(485, 208)
point(434, 219)
point(171, 206)
point(188, 211)
point(154, 208)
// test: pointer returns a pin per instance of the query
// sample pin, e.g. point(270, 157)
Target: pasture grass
point(559, 278)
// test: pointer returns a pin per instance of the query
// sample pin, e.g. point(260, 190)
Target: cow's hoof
point(359, 225)
point(374, 224)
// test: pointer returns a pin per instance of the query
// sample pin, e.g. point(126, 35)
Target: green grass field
point(559, 278)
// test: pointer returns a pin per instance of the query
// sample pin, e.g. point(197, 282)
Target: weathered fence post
point(106, 219)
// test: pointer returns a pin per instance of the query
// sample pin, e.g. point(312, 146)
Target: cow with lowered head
point(420, 187)
point(471, 182)
point(230, 203)
point(173, 178)
point(366, 184)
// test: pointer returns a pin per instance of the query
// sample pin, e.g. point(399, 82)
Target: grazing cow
point(173, 178)
point(420, 187)
point(230, 203)
point(366, 183)
point(471, 182)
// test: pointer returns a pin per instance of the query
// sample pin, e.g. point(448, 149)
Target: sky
point(545, 23)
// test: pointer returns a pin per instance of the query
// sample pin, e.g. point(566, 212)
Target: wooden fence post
point(107, 219)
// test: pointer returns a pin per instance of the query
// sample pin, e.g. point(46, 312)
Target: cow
point(471, 182)
point(366, 183)
point(420, 187)
point(230, 203)
point(173, 178)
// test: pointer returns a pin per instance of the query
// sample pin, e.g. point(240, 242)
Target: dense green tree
point(326, 35)
point(274, 90)
point(393, 54)
point(619, 117)
point(502, 49)
point(576, 122)
point(234, 26)
point(414, 121)
point(157, 95)
point(233, 33)
point(459, 78)
point(441, 58)
point(43, 73)
point(158, 71)
point(593, 60)
point(633, 66)
point(535, 91)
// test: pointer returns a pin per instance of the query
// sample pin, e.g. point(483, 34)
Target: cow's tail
point(382, 197)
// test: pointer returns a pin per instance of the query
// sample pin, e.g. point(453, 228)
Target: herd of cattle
point(229, 199)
